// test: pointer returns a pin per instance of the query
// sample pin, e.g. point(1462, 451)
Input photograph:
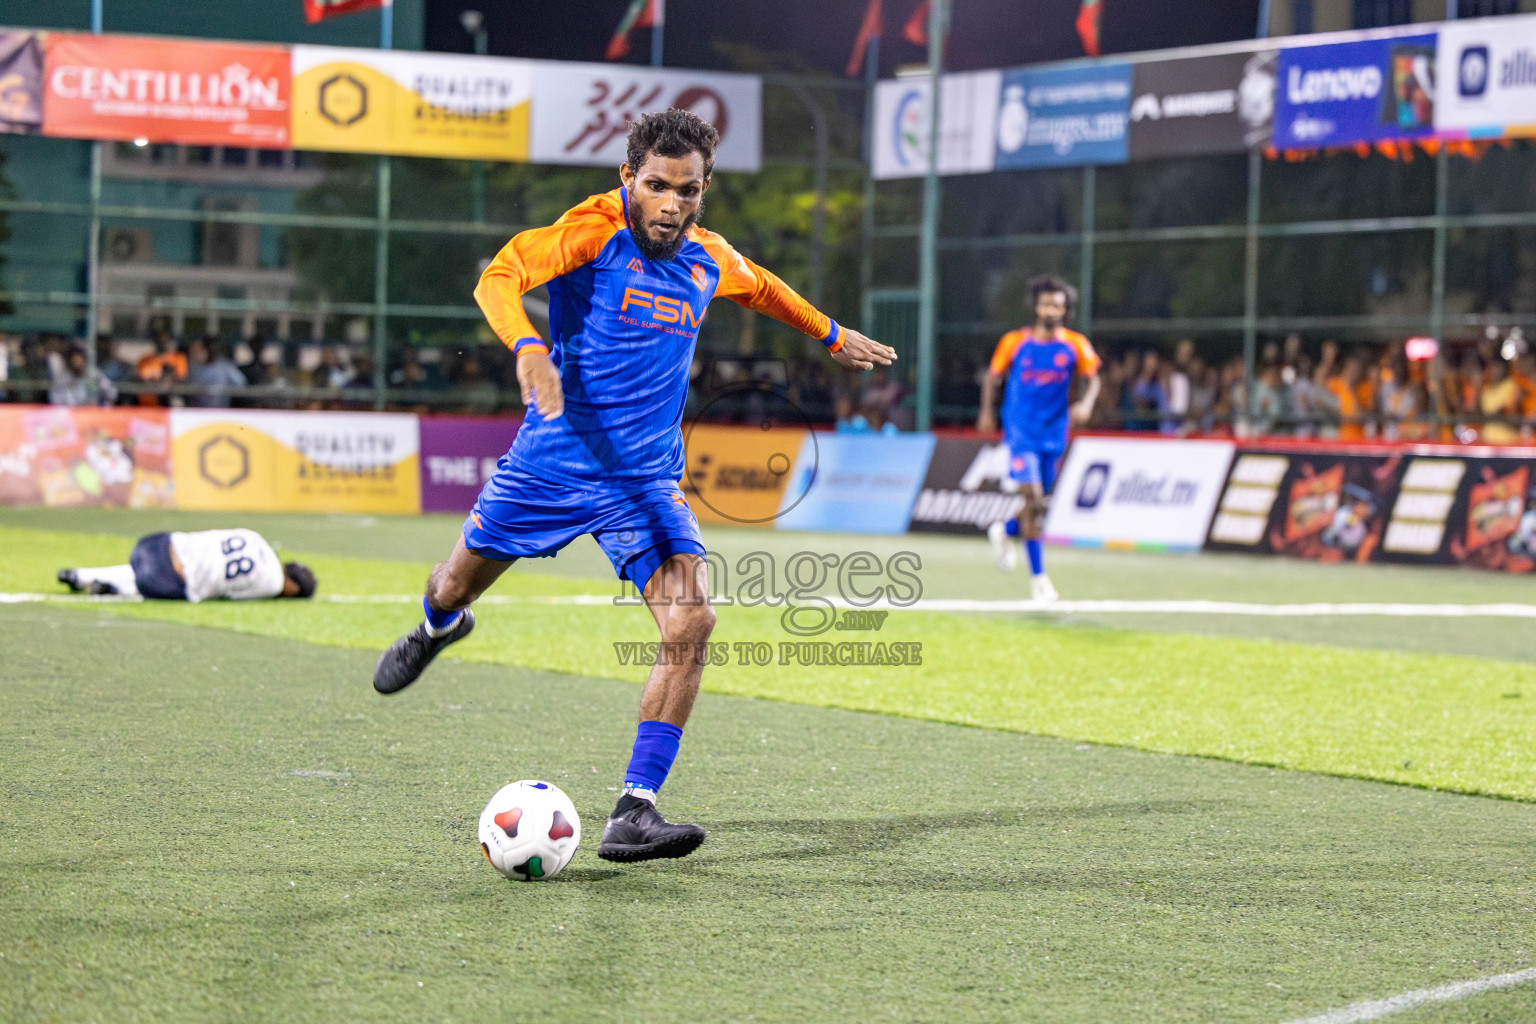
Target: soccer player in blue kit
point(600, 451)
point(1037, 367)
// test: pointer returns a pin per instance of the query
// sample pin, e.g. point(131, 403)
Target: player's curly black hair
point(1047, 283)
point(671, 133)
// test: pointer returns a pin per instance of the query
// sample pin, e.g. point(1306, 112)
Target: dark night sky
point(987, 33)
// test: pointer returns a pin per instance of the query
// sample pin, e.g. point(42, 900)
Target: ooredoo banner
point(166, 90)
point(458, 455)
point(581, 112)
point(411, 104)
point(1363, 91)
point(295, 462)
point(1135, 493)
point(58, 455)
point(855, 483)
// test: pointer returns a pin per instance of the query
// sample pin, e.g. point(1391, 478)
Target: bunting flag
point(1088, 26)
point(319, 10)
point(868, 32)
point(916, 30)
point(641, 14)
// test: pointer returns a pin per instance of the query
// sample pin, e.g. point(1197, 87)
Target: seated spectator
point(69, 373)
point(211, 368)
point(1345, 386)
point(1270, 403)
point(166, 366)
point(1149, 398)
point(1499, 402)
point(111, 367)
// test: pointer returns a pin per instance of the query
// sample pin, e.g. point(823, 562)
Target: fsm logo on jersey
point(1362, 91)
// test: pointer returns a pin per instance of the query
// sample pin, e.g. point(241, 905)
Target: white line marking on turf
point(1108, 607)
point(1378, 1008)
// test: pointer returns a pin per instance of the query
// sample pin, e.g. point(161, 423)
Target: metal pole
point(93, 248)
point(1451, 11)
point(1085, 265)
point(928, 272)
point(387, 25)
point(1263, 29)
point(477, 179)
point(381, 236)
point(1251, 275)
point(658, 32)
point(867, 224)
point(1437, 283)
point(819, 214)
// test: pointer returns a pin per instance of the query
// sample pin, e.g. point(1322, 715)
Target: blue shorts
point(154, 573)
point(1032, 466)
point(519, 515)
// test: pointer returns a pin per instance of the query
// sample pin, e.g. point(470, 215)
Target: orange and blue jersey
point(1037, 381)
point(622, 331)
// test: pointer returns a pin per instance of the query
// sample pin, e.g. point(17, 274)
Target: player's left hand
point(1082, 412)
point(861, 353)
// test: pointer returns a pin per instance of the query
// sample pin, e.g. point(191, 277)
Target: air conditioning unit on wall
point(129, 245)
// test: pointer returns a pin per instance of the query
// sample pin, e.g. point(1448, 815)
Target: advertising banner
point(1221, 104)
point(742, 475)
point(1064, 117)
point(58, 455)
point(962, 492)
point(581, 112)
point(295, 462)
point(1323, 505)
point(1488, 78)
point(1133, 493)
point(967, 125)
point(1363, 91)
point(411, 104)
point(166, 90)
point(458, 455)
point(855, 483)
point(1465, 511)
point(21, 82)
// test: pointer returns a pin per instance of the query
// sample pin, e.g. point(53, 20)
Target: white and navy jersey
point(236, 564)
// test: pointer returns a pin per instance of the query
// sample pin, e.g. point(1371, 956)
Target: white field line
point(1314, 609)
point(1378, 1008)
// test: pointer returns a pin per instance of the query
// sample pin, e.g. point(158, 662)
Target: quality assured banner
point(1064, 117)
point(1364, 91)
point(962, 492)
point(1220, 104)
point(166, 90)
point(581, 112)
point(1131, 493)
point(57, 455)
point(1488, 78)
point(295, 462)
point(411, 104)
point(21, 82)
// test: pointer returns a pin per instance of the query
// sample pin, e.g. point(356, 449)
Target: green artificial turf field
point(206, 813)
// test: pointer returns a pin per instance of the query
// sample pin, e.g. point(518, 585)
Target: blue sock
point(439, 622)
point(1036, 556)
point(1012, 527)
point(655, 749)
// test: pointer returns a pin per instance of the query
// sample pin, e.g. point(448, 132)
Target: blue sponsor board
point(856, 483)
point(1367, 91)
point(1067, 117)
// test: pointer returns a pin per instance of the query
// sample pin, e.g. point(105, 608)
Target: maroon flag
point(319, 10)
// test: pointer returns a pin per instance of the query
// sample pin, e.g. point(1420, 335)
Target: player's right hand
point(986, 423)
point(861, 353)
point(540, 383)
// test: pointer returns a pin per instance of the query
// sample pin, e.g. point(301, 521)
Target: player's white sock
point(641, 793)
point(119, 577)
point(435, 631)
point(1004, 550)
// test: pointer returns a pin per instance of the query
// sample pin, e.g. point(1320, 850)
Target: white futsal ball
point(529, 830)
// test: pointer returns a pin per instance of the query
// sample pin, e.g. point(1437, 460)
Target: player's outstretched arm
point(861, 353)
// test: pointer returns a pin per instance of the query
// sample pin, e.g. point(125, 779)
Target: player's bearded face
point(666, 199)
point(1051, 310)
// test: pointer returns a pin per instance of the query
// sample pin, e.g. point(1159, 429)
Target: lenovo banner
point(1365, 91)
point(1120, 492)
point(1223, 104)
point(963, 491)
point(166, 90)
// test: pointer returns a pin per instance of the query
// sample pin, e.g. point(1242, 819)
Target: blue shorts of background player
point(519, 515)
point(1032, 466)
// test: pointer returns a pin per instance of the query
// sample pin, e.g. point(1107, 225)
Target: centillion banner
point(411, 104)
point(295, 462)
